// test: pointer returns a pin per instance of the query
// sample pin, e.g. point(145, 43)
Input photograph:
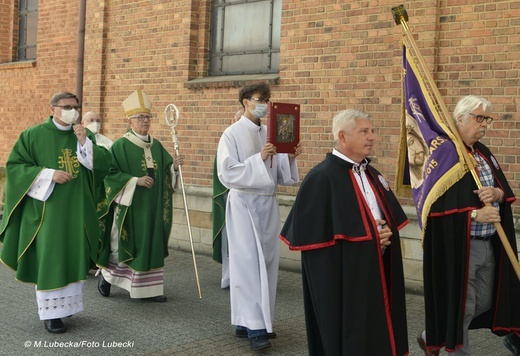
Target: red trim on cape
point(324, 244)
point(466, 277)
point(384, 287)
point(403, 225)
point(367, 216)
point(453, 211)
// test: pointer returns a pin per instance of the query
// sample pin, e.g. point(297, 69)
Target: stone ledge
point(17, 65)
point(231, 81)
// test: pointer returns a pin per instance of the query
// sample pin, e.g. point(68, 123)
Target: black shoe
point(103, 287)
point(259, 343)
point(158, 299)
point(512, 342)
point(241, 333)
point(271, 335)
point(55, 326)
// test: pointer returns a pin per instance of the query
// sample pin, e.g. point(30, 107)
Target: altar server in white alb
point(252, 170)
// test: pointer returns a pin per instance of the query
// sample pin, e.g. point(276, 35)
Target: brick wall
point(26, 87)
point(8, 29)
point(334, 55)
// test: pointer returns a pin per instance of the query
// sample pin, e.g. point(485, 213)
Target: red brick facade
point(334, 55)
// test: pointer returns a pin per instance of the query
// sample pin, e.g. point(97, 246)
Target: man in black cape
point(468, 280)
point(345, 222)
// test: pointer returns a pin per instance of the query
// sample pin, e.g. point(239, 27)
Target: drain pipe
point(81, 50)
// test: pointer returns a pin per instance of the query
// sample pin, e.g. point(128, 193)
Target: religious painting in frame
point(283, 126)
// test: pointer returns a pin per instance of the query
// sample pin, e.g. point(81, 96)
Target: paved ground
point(185, 325)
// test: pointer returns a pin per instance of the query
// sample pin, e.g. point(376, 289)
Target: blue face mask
point(259, 111)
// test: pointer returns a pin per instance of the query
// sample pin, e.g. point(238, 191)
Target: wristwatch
point(474, 214)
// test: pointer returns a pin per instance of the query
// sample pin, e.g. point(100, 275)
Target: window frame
point(268, 57)
point(27, 31)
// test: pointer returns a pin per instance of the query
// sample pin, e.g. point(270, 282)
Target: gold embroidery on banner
point(68, 162)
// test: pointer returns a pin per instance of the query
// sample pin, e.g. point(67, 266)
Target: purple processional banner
point(432, 162)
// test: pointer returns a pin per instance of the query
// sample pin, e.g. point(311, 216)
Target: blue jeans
point(253, 333)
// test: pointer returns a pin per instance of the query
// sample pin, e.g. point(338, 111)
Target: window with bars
point(245, 37)
point(28, 26)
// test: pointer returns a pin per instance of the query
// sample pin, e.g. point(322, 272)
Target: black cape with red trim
point(353, 294)
point(445, 263)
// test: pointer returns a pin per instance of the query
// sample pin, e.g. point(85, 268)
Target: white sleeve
point(85, 155)
point(251, 173)
point(126, 195)
point(43, 185)
point(287, 170)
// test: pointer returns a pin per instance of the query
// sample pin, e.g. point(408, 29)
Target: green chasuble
point(51, 243)
point(219, 213)
point(143, 227)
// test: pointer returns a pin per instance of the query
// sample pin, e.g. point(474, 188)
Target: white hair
point(470, 103)
point(346, 120)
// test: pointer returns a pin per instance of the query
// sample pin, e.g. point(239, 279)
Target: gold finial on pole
point(400, 14)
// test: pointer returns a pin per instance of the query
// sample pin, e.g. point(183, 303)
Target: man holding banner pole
point(468, 280)
point(463, 201)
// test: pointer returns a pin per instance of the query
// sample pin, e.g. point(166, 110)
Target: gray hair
point(470, 103)
point(346, 120)
point(63, 95)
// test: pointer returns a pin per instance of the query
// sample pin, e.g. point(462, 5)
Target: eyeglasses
point(260, 100)
point(68, 107)
point(481, 118)
point(142, 117)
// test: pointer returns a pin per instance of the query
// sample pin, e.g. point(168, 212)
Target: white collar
point(60, 127)
point(142, 137)
point(356, 167)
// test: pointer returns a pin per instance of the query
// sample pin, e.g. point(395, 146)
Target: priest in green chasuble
point(138, 210)
point(50, 231)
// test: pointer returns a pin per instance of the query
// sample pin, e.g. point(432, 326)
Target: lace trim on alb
point(61, 303)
